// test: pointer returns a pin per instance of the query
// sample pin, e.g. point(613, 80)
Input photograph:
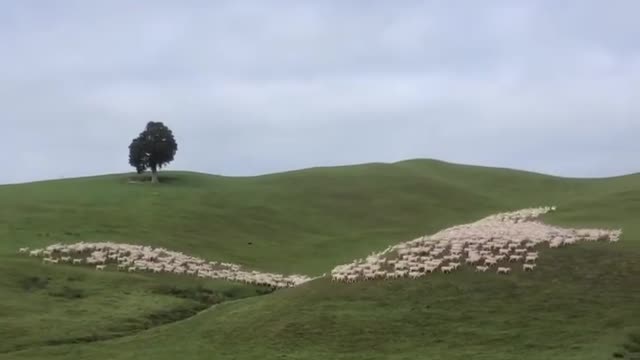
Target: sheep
point(390, 275)
point(504, 270)
point(23, 250)
point(76, 261)
point(473, 260)
point(101, 267)
point(508, 234)
point(482, 268)
point(339, 277)
point(490, 261)
point(446, 269)
point(531, 258)
point(528, 267)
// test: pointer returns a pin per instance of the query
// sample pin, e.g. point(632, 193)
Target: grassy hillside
point(582, 302)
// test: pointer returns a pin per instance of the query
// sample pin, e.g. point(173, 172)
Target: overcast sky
point(252, 87)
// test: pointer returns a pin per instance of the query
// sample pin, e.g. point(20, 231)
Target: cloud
point(253, 87)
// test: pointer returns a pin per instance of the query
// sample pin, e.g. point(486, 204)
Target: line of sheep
point(496, 241)
point(132, 258)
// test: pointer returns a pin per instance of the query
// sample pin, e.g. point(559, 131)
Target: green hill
point(583, 302)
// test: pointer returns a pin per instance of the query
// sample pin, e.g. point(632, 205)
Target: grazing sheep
point(507, 234)
point(446, 269)
point(528, 267)
point(504, 270)
point(482, 268)
point(101, 267)
point(490, 261)
point(23, 250)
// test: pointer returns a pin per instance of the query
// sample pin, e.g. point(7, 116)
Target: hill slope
point(308, 221)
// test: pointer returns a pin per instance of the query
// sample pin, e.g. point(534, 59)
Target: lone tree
point(154, 148)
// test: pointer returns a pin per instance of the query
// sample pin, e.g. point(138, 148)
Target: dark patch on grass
point(78, 340)
point(77, 277)
point(68, 293)
point(203, 297)
point(631, 348)
point(33, 283)
point(198, 293)
point(207, 296)
point(129, 326)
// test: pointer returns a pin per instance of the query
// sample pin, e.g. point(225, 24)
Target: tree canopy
point(154, 148)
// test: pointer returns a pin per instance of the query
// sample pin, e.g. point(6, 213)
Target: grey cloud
point(252, 87)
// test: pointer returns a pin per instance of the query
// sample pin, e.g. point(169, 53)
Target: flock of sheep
point(133, 258)
point(498, 241)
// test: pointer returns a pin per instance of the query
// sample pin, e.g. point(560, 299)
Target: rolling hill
point(582, 302)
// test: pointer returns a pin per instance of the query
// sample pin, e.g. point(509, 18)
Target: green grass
point(582, 302)
point(56, 304)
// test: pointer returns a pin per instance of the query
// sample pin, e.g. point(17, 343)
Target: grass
point(53, 304)
point(582, 302)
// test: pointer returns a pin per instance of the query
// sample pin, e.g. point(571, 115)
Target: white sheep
point(446, 269)
point(528, 267)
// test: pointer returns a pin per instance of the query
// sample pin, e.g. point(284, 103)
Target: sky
point(254, 87)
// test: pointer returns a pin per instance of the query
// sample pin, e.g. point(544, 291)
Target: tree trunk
point(154, 175)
